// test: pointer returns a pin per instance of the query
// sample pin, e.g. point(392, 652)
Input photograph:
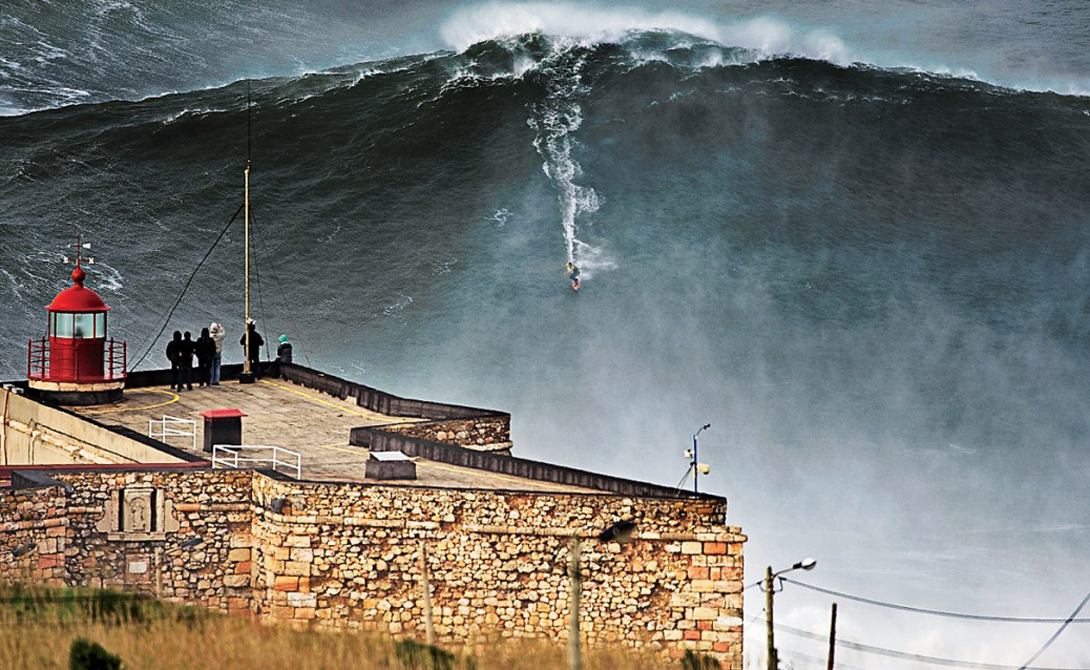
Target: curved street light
point(804, 564)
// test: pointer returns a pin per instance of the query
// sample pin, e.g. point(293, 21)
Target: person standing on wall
point(255, 348)
point(218, 335)
point(174, 356)
point(206, 350)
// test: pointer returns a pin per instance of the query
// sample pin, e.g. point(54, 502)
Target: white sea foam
point(565, 20)
point(554, 120)
point(765, 36)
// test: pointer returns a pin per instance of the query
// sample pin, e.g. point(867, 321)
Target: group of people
point(208, 350)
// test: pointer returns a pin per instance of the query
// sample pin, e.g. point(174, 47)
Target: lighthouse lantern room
point(76, 364)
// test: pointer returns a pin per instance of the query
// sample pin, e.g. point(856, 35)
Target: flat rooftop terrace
point(314, 424)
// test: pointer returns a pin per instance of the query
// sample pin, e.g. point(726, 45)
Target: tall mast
point(247, 376)
point(246, 242)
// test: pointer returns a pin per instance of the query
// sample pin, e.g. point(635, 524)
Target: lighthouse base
point(72, 393)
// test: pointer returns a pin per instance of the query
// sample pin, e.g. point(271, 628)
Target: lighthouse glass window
point(100, 324)
point(62, 325)
point(84, 325)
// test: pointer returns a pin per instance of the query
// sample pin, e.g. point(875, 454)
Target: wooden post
point(772, 665)
point(832, 638)
point(575, 658)
point(429, 624)
point(158, 573)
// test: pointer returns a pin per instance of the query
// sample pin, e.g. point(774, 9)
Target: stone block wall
point(343, 555)
point(108, 548)
point(490, 433)
point(33, 515)
point(340, 555)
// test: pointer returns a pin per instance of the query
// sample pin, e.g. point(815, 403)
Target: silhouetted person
point(205, 348)
point(185, 361)
point(255, 348)
point(174, 356)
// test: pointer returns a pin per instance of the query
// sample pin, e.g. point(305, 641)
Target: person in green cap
point(283, 351)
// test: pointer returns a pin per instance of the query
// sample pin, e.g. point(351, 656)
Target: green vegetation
point(87, 655)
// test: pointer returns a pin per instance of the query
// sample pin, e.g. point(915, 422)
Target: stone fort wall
point(346, 555)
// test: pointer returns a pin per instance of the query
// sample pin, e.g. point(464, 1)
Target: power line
point(922, 610)
point(184, 289)
point(892, 653)
point(1057, 633)
point(819, 659)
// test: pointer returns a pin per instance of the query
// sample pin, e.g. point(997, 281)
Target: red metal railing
point(43, 364)
point(117, 358)
point(37, 359)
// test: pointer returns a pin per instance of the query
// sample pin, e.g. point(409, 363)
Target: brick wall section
point(347, 556)
point(33, 515)
point(213, 505)
point(492, 433)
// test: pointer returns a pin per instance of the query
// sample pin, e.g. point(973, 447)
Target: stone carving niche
point(138, 513)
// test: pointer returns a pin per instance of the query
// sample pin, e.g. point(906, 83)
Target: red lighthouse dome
point(76, 363)
point(77, 298)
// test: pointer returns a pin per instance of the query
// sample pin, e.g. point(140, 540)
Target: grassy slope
point(37, 628)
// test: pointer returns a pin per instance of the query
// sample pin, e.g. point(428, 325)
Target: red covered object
point(222, 414)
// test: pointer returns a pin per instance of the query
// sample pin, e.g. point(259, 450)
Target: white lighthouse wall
point(32, 433)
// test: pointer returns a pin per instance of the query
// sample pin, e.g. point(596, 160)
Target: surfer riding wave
point(573, 274)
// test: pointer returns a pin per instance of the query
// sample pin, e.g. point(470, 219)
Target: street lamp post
point(804, 564)
point(696, 462)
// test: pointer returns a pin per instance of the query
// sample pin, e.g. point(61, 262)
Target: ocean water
point(853, 237)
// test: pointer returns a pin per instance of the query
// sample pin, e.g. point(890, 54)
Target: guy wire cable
point(184, 289)
point(257, 286)
point(283, 296)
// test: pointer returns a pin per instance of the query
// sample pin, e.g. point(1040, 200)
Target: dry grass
point(37, 629)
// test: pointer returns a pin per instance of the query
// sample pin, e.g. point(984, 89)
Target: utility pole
point(770, 577)
point(575, 658)
point(772, 664)
point(832, 638)
point(429, 624)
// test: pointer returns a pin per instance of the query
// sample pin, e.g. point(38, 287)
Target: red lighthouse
point(76, 364)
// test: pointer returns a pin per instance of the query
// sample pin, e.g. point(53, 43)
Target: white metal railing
point(233, 456)
point(172, 426)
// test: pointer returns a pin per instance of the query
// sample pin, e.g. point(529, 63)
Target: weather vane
point(79, 246)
